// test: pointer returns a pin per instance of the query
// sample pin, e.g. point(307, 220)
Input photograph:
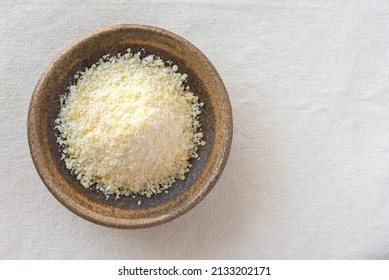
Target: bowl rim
point(99, 218)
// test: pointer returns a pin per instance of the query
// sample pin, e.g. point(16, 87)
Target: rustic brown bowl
point(90, 203)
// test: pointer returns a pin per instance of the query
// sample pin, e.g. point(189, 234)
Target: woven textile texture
point(308, 173)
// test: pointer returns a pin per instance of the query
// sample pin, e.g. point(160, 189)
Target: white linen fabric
point(308, 173)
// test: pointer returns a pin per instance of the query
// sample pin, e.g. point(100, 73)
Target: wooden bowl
point(91, 204)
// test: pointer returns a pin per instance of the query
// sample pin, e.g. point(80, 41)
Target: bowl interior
point(92, 204)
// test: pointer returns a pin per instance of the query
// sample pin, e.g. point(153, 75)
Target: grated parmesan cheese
point(129, 126)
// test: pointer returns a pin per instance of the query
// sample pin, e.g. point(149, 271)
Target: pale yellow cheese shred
point(128, 125)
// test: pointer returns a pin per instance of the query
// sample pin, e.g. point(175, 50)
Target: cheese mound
point(129, 125)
